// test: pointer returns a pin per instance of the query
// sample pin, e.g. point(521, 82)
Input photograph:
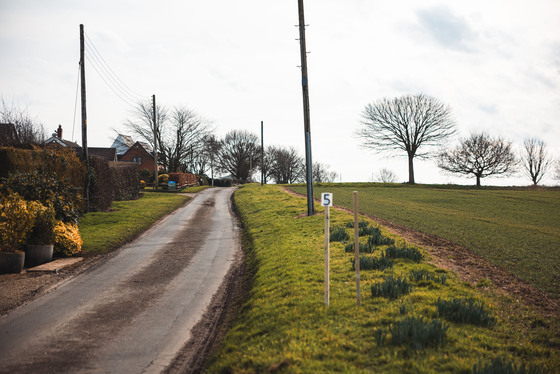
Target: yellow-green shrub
point(16, 220)
point(67, 239)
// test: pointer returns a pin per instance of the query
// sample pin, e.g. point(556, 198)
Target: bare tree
point(481, 156)
point(25, 130)
point(386, 176)
point(287, 166)
point(268, 163)
point(142, 126)
point(209, 155)
point(535, 160)
point(239, 154)
point(322, 174)
point(405, 123)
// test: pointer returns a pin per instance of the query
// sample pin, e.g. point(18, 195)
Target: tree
point(239, 154)
point(179, 134)
point(27, 131)
point(286, 166)
point(481, 156)
point(386, 176)
point(322, 174)
point(535, 160)
point(210, 152)
point(405, 123)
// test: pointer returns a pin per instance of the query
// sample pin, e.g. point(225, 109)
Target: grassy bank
point(284, 324)
point(105, 231)
point(518, 230)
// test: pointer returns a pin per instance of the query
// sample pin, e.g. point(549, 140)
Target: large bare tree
point(479, 155)
point(239, 154)
point(322, 174)
point(406, 123)
point(286, 165)
point(535, 159)
point(142, 127)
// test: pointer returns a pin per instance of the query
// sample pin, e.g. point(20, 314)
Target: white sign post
point(327, 202)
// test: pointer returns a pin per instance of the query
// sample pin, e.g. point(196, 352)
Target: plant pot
point(11, 262)
point(37, 254)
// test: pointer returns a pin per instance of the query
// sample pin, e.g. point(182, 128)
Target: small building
point(138, 153)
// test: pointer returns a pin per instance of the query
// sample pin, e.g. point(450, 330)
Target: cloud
point(446, 28)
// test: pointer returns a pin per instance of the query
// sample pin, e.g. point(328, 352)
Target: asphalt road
point(134, 312)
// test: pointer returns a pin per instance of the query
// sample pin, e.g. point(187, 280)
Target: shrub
point(35, 186)
point(363, 248)
point(338, 234)
point(425, 275)
point(16, 220)
point(503, 366)
point(163, 178)
point(43, 225)
point(391, 288)
point(373, 263)
point(404, 252)
point(464, 311)
point(375, 238)
point(124, 180)
point(67, 239)
point(418, 332)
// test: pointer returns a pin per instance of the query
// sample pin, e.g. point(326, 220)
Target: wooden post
point(155, 141)
point(84, 116)
point(357, 248)
point(262, 153)
point(327, 253)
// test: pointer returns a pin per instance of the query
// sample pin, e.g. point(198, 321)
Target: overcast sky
point(495, 63)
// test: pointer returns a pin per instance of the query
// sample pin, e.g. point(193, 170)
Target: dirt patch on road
point(469, 266)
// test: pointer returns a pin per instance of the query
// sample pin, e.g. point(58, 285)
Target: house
point(122, 144)
point(56, 140)
point(139, 154)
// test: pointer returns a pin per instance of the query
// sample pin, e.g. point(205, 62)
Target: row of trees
point(186, 142)
point(414, 123)
point(27, 130)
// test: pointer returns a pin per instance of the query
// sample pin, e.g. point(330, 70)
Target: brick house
point(137, 153)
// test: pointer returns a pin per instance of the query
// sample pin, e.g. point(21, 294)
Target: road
point(134, 312)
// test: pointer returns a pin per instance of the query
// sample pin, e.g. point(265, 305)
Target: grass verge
point(285, 326)
point(105, 231)
point(516, 229)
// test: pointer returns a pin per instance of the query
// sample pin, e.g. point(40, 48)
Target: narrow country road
point(134, 312)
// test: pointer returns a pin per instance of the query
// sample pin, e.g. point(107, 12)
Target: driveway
point(134, 312)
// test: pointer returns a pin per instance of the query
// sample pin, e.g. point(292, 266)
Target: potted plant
point(16, 220)
point(39, 247)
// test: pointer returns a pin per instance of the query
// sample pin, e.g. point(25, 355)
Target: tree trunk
point(410, 169)
point(478, 180)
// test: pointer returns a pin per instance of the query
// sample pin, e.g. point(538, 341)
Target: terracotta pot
point(11, 262)
point(37, 254)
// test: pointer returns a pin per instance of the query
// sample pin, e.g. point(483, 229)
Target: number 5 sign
point(326, 199)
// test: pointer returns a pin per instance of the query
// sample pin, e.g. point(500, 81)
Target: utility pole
point(262, 154)
point(306, 120)
point(155, 141)
point(84, 116)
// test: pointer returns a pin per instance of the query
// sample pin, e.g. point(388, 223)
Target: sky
point(495, 63)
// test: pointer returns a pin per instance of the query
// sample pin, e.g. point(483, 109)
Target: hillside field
point(517, 229)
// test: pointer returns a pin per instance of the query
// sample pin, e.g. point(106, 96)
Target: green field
point(518, 230)
point(105, 231)
point(283, 325)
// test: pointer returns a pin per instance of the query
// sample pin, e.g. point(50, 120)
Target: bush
point(376, 238)
point(465, 311)
point(418, 333)
point(146, 175)
point(43, 225)
point(363, 248)
point(425, 275)
point(100, 188)
point(124, 180)
point(404, 252)
point(503, 366)
point(338, 234)
point(373, 263)
point(391, 288)
point(35, 186)
point(67, 239)
point(16, 220)
point(163, 178)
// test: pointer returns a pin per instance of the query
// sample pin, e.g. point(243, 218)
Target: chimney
point(59, 132)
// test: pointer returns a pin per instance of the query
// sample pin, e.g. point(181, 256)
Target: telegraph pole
point(262, 154)
point(155, 142)
point(306, 120)
point(84, 116)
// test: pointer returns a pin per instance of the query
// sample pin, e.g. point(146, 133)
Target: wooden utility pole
point(306, 120)
point(262, 154)
point(155, 141)
point(84, 116)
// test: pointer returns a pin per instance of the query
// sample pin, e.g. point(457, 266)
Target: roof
point(110, 154)
point(62, 142)
point(122, 143)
